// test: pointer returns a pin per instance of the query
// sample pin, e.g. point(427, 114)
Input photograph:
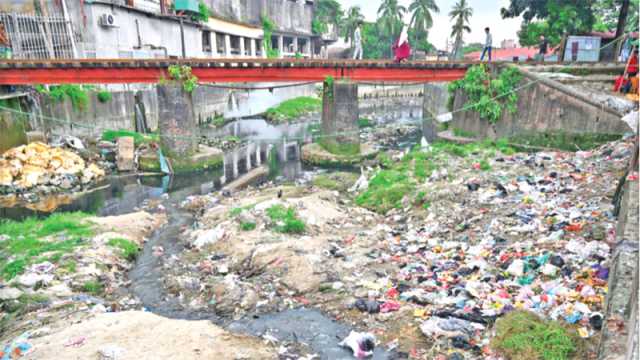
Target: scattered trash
point(361, 344)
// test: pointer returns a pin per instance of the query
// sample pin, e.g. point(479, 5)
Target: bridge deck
point(112, 71)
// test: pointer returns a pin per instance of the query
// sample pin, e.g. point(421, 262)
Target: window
point(206, 41)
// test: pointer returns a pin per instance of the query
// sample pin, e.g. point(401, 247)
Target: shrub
point(129, 250)
point(285, 219)
point(104, 96)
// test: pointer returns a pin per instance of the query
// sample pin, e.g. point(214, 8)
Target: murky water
point(261, 142)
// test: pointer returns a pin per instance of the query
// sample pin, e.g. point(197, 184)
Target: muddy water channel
point(261, 145)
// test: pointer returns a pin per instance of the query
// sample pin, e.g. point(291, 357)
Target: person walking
point(542, 48)
point(488, 42)
point(357, 39)
point(402, 49)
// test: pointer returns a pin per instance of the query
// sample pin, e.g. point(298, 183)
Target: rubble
point(45, 169)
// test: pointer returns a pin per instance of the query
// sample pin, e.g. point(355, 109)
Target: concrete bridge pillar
point(258, 158)
point(253, 47)
point(176, 121)
point(227, 46)
point(340, 132)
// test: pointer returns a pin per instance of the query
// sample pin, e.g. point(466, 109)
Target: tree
point(350, 23)
point(473, 47)
point(326, 12)
point(460, 15)
point(421, 21)
point(554, 17)
point(390, 16)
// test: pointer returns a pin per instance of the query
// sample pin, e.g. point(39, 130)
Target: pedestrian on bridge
point(488, 42)
point(357, 39)
point(401, 48)
point(542, 49)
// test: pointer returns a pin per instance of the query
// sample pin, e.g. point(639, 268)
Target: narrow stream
point(125, 194)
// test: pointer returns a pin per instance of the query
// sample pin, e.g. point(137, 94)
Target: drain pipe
point(67, 21)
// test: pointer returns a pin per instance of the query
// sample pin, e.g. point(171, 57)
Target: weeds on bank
point(93, 287)
point(400, 179)
point(285, 219)
point(26, 243)
point(138, 138)
point(247, 225)
point(128, 249)
point(292, 108)
point(523, 335)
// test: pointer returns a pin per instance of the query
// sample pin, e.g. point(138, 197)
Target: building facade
point(159, 28)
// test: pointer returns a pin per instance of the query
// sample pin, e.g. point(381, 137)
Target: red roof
point(505, 54)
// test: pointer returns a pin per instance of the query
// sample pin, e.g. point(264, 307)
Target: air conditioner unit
point(107, 20)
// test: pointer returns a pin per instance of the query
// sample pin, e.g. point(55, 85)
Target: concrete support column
point(176, 121)
point(258, 155)
point(253, 48)
point(227, 45)
point(295, 45)
point(340, 117)
point(248, 157)
point(242, 46)
point(214, 44)
point(235, 164)
point(281, 45)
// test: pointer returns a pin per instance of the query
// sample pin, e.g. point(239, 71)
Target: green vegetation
point(218, 121)
point(247, 225)
point(267, 27)
point(389, 187)
point(113, 135)
point(128, 249)
point(183, 75)
point(473, 47)
point(285, 219)
point(93, 287)
point(204, 13)
point(232, 138)
point(523, 335)
point(343, 149)
point(364, 123)
point(76, 93)
point(564, 141)
point(326, 12)
point(104, 96)
point(386, 191)
point(292, 108)
point(26, 240)
point(340, 181)
point(489, 97)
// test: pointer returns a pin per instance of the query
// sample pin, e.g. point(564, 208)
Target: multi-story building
point(157, 28)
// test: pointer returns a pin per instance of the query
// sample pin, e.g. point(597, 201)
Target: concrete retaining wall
point(287, 15)
point(622, 298)
point(545, 106)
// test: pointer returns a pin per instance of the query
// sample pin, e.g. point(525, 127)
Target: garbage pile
point(38, 165)
point(533, 233)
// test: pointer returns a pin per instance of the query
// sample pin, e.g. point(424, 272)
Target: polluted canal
point(421, 250)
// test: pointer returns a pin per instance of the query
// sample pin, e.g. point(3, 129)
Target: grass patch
point(247, 226)
point(128, 249)
point(113, 135)
point(364, 123)
point(523, 335)
point(93, 287)
point(484, 165)
point(386, 191)
point(26, 243)
point(292, 108)
point(286, 219)
point(339, 181)
point(344, 149)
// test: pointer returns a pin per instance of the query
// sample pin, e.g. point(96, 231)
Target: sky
point(485, 13)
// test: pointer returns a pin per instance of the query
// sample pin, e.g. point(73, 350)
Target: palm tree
point(390, 15)
point(460, 14)
point(421, 20)
point(350, 22)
